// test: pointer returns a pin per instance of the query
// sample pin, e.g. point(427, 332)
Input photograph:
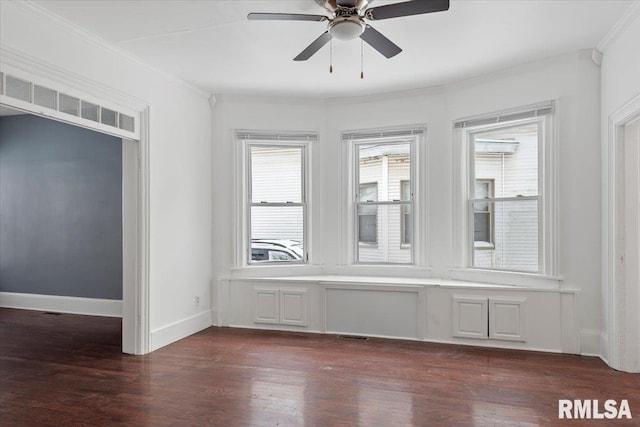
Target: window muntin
point(504, 203)
point(387, 163)
point(276, 206)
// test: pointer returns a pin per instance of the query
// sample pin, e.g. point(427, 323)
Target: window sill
point(275, 270)
point(525, 280)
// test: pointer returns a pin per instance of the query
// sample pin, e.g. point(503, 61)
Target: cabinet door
point(265, 305)
point(507, 319)
point(470, 317)
point(293, 307)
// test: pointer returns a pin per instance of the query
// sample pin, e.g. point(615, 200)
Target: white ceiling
point(212, 45)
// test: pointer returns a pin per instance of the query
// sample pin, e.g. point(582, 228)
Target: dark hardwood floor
point(67, 370)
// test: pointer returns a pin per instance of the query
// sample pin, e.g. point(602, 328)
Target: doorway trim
point(621, 344)
point(135, 296)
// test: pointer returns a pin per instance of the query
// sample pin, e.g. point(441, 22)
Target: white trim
point(618, 355)
point(100, 42)
point(632, 12)
point(181, 329)
point(135, 302)
point(62, 304)
point(549, 236)
point(590, 343)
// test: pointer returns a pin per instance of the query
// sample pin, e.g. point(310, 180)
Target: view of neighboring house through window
point(482, 215)
point(368, 215)
point(384, 205)
point(276, 202)
point(505, 199)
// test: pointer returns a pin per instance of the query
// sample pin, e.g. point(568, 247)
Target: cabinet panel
point(470, 317)
point(293, 307)
point(265, 305)
point(506, 319)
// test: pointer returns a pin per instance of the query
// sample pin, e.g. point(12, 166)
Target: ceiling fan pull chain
point(361, 59)
point(331, 56)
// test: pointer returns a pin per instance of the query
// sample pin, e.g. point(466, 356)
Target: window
point(505, 209)
point(276, 207)
point(384, 200)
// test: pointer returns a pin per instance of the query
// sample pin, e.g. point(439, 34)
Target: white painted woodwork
point(470, 317)
point(293, 307)
point(266, 306)
point(507, 319)
point(389, 313)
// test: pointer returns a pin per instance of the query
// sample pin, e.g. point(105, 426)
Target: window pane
point(388, 246)
point(89, 111)
point(126, 123)
point(515, 237)
point(68, 104)
point(108, 117)
point(368, 225)
point(18, 89)
point(509, 158)
point(276, 174)
point(44, 97)
point(386, 165)
point(277, 233)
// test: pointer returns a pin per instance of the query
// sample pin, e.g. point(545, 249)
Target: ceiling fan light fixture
point(346, 29)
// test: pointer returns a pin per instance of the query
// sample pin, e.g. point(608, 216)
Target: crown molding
point(102, 43)
point(632, 12)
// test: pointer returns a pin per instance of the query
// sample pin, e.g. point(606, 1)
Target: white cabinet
point(279, 306)
point(493, 318)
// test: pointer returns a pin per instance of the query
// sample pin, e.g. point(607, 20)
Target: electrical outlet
point(197, 301)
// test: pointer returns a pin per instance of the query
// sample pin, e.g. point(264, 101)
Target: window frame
point(462, 267)
point(403, 224)
point(412, 141)
point(248, 203)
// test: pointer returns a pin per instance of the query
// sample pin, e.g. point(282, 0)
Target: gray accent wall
point(60, 209)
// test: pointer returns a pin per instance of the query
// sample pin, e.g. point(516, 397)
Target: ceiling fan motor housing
point(347, 27)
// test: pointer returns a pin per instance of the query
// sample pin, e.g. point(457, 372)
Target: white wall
point(620, 84)
point(572, 79)
point(180, 160)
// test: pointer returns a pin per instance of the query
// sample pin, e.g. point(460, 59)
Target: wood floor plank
point(67, 370)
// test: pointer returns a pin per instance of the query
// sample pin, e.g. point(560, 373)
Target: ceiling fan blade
point(415, 7)
point(347, 3)
point(376, 40)
point(313, 47)
point(285, 17)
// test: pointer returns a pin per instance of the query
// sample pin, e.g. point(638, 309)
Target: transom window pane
point(276, 174)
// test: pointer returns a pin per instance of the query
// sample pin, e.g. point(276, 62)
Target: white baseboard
point(590, 343)
point(181, 329)
point(62, 304)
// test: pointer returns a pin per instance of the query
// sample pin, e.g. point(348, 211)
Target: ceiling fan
point(349, 21)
